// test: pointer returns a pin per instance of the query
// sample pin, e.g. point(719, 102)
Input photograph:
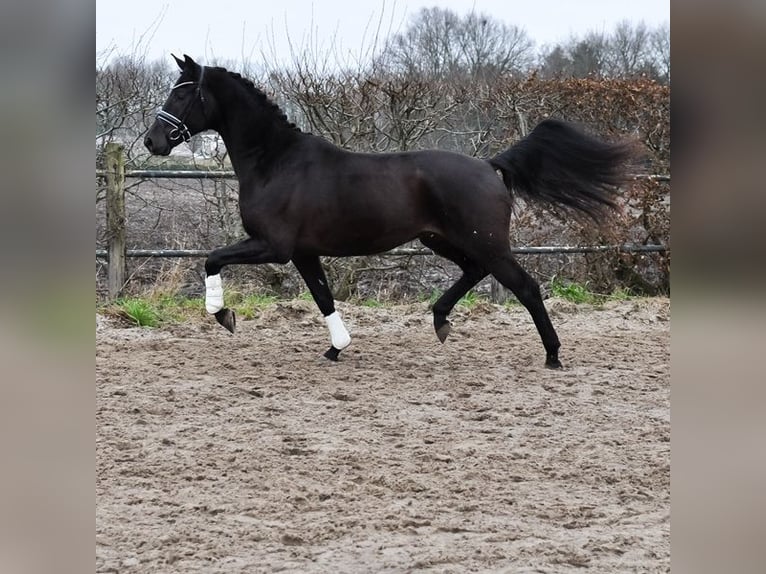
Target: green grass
point(430, 299)
point(142, 312)
point(251, 305)
point(157, 309)
point(305, 296)
point(471, 299)
point(190, 304)
point(578, 293)
point(621, 294)
point(571, 291)
point(511, 303)
point(568, 290)
point(153, 311)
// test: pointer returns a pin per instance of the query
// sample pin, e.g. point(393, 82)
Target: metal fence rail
point(409, 251)
point(229, 174)
point(173, 174)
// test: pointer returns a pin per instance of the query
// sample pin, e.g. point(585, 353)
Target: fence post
point(115, 218)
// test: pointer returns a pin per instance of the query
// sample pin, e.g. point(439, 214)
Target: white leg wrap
point(213, 294)
point(338, 333)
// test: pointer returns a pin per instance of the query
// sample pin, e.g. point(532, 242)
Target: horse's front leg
point(311, 270)
point(247, 251)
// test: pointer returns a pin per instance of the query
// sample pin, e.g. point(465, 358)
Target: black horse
point(301, 197)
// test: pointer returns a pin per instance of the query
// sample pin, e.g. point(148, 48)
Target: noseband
point(180, 131)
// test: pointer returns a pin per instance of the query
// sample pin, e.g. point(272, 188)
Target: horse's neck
point(253, 135)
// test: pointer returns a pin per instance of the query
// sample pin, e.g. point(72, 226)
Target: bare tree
point(578, 57)
point(439, 43)
point(628, 50)
point(428, 47)
point(659, 49)
point(491, 47)
point(555, 62)
point(128, 92)
point(589, 55)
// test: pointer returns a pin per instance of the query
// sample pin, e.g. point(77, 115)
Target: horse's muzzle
point(155, 148)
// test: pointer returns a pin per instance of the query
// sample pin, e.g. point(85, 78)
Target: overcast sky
point(243, 30)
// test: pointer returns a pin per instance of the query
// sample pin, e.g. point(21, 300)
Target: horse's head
point(183, 114)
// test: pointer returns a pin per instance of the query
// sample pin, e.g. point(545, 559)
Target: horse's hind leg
point(472, 274)
point(311, 270)
point(508, 271)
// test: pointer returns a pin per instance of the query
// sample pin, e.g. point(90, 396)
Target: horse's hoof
point(552, 363)
point(227, 318)
point(443, 331)
point(332, 354)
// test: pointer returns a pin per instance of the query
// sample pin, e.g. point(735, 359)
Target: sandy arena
point(252, 453)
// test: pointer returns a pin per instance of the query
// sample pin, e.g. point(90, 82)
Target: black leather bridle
point(180, 130)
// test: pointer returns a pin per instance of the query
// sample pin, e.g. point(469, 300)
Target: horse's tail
point(560, 165)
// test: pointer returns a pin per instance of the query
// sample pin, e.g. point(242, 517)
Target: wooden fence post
point(115, 218)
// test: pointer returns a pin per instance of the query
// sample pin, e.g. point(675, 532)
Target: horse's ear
point(181, 63)
point(190, 66)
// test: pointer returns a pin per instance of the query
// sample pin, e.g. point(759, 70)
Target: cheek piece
point(179, 129)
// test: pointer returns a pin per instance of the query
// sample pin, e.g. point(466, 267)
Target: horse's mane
point(260, 97)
